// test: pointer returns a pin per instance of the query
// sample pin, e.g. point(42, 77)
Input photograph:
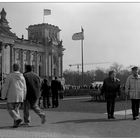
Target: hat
point(134, 68)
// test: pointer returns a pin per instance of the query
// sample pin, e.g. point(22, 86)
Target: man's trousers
point(13, 109)
point(35, 107)
point(135, 107)
point(110, 107)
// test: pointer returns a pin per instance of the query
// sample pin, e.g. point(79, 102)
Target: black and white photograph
point(69, 69)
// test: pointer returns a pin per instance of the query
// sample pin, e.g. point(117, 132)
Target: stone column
point(59, 66)
point(3, 62)
point(24, 59)
point(62, 65)
point(41, 64)
point(35, 62)
point(46, 68)
point(0, 60)
point(31, 57)
point(37, 70)
point(17, 56)
point(7, 59)
point(21, 60)
point(32, 60)
point(50, 65)
point(28, 57)
point(11, 57)
point(4, 59)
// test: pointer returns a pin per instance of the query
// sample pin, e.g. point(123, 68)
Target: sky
point(111, 30)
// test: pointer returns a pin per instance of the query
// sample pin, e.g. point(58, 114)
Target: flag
point(78, 36)
point(47, 12)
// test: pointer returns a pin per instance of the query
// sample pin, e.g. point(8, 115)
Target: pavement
point(73, 123)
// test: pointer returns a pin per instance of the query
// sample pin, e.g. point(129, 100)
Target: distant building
point(43, 49)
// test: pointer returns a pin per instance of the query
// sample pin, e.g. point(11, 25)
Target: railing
point(94, 93)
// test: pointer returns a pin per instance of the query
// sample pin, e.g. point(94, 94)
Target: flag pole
point(125, 105)
point(43, 15)
point(43, 18)
point(82, 60)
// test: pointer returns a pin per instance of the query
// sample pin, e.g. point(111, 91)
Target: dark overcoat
point(33, 86)
point(111, 87)
point(55, 86)
point(45, 89)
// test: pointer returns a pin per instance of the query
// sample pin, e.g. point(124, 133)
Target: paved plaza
point(84, 119)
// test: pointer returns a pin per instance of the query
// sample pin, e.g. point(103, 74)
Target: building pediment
point(7, 33)
point(6, 39)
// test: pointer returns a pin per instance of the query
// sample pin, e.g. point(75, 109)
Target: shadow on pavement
point(92, 101)
point(11, 127)
point(6, 127)
point(92, 120)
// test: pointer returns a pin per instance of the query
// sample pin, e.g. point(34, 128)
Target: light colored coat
point(132, 87)
point(14, 88)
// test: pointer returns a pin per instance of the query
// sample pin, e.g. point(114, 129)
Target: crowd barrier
point(94, 93)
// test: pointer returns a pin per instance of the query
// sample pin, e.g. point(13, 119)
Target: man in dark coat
point(55, 88)
point(110, 88)
point(45, 93)
point(33, 94)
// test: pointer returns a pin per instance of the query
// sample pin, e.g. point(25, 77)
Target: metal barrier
point(96, 95)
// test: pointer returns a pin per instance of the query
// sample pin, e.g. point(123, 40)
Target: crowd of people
point(55, 90)
point(25, 90)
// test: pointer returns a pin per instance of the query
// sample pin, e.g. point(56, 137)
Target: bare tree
point(117, 67)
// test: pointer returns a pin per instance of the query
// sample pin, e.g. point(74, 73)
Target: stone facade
point(43, 49)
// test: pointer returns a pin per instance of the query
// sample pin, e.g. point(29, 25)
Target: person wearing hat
point(132, 89)
point(111, 88)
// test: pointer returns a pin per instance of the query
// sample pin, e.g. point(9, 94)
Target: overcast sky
point(111, 30)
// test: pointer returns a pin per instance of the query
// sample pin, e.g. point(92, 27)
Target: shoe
point(48, 106)
point(109, 117)
point(17, 123)
point(134, 118)
point(43, 119)
point(137, 117)
point(53, 106)
point(26, 124)
point(113, 117)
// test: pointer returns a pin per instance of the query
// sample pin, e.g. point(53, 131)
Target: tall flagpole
point(43, 16)
point(82, 59)
point(80, 36)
